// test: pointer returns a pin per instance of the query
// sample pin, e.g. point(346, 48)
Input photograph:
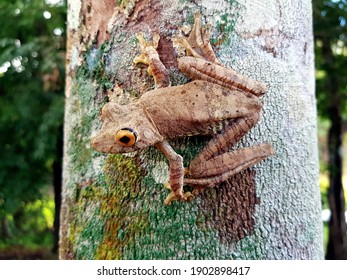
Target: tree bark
point(113, 204)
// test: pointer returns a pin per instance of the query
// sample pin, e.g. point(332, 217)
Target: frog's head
point(125, 129)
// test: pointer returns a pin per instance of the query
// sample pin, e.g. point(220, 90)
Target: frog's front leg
point(150, 57)
point(176, 174)
point(156, 68)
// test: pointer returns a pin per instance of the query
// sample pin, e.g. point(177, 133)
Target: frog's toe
point(167, 186)
point(187, 196)
point(171, 197)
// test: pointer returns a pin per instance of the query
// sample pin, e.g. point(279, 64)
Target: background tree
point(331, 63)
point(31, 100)
point(113, 204)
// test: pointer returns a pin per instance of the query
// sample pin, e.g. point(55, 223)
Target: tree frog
point(218, 102)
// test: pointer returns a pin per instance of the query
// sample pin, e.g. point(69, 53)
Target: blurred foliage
point(330, 30)
point(32, 226)
point(32, 50)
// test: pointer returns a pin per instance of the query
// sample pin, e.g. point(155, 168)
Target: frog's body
point(196, 108)
point(221, 103)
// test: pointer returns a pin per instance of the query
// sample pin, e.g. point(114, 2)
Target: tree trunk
point(113, 204)
point(5, 229)
point(337, 242)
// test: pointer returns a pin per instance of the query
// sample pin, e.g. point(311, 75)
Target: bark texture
point(112, 205)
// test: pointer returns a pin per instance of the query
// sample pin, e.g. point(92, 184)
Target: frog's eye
point(126, 137)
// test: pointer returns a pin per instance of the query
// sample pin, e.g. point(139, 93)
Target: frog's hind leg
point(220, 168)
point(150, 57)
point(223, 141)
point(202, 63)
point(215, 163)
point(198, 43)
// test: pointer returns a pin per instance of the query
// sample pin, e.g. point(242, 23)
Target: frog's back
point(198, 107)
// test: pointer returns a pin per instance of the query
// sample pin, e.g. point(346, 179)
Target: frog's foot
point(198, 43)
point(148, 49)
point(187, 196)
point(150, 57)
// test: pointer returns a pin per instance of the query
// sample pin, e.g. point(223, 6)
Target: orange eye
point(126, 137)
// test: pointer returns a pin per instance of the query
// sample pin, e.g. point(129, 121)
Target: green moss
point(122, 221)
point(122, 3)
point(84, 108)
point(94, 67)
point(86, 231)
point(89, 237)
point(251, 248)
point(85, 187)
point(78, 150)
point(133, 41)
point(226, 25)
point(190, 19)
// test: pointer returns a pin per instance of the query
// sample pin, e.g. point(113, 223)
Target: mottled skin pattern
point(219, 102)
